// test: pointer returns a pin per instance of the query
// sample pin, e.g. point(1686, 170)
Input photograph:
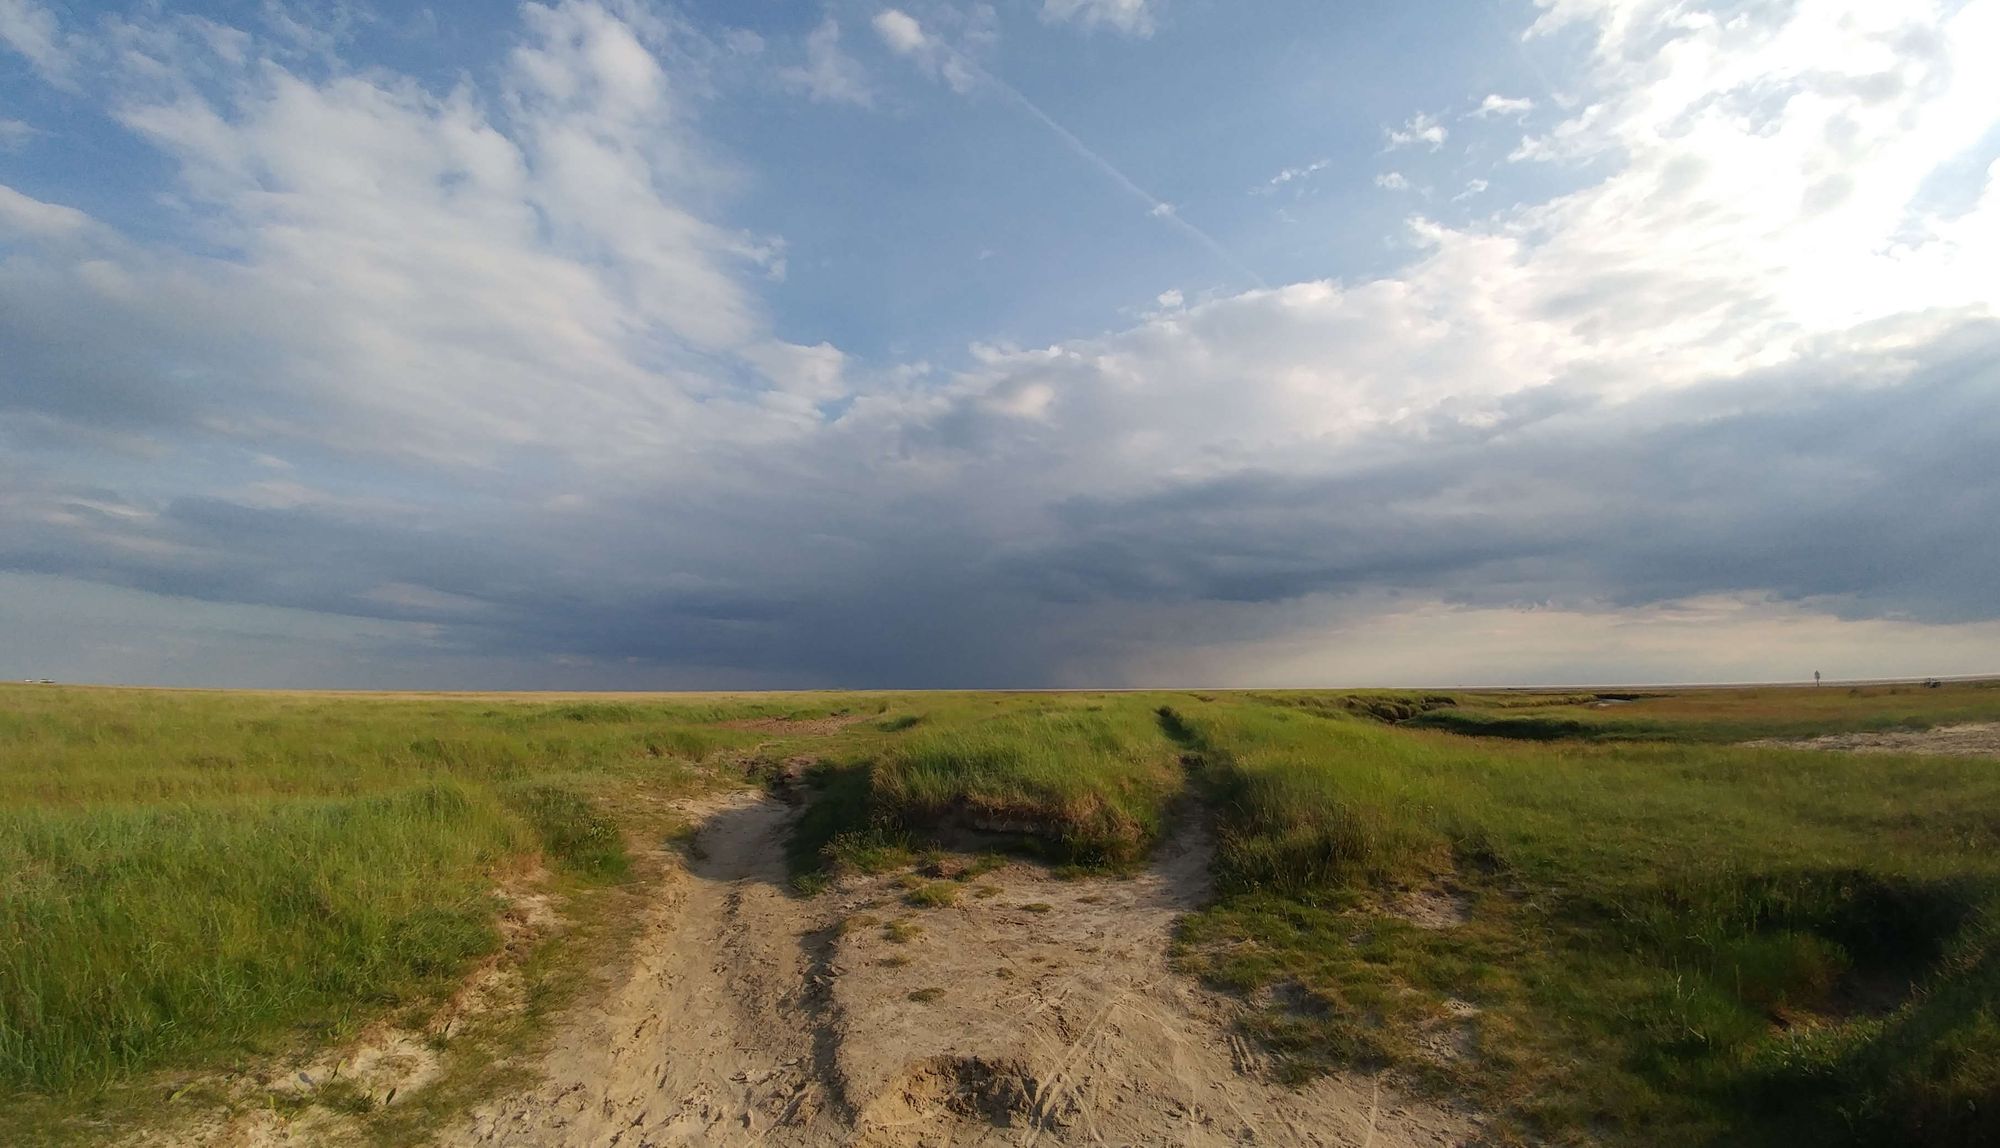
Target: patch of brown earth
point(1432, 908)
point(1450, 1038)
point(1043, 1013)
point(1971, 739)
point(1061, 992)
point(711, 1034)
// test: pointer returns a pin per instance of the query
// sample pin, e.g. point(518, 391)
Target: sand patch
point(1028, 1011)
point(1970, 739)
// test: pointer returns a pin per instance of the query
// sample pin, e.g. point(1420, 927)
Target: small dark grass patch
point(897, 724)
point(870, 851)
point(574, 835)
point(935, 895)
point(1530, 728)
point(684, 743)
point(344, 1096)
point(598, 712)
point(686, 840)
point(980, 866)
point(901, 932)
point(1037, 907)
point(927, 995)
point(837, 832)
point(1389, 708)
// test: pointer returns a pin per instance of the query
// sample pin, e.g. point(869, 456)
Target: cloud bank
point(478, 382)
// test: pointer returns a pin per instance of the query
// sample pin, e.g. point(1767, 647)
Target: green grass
point(1669, 940)
point(1091, 780)
point(1080, 780)
point(139, 936)
point(1667, 936)
point(190, 879)
point(933, 895)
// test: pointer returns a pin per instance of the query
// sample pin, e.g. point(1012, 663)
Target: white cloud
point(1472, 189)
point(829, 75)
point(1641, 393)
point(900, 31)
point(1291, 174)
point(1132, 17)
point(1422, 128)
point(812, 374)
point(1499, 105)
point(1392, 180)
point(1694, 259)
point(934, 55)
point(477, 285)
point(31, 29)
point(15, 134)
point(24, 216)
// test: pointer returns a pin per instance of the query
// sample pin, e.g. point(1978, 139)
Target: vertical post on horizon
point(1815, 677)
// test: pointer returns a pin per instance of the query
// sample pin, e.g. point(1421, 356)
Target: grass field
point(1621, 924)
point(189, 879)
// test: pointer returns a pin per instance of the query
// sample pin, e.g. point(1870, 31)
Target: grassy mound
point(1664, 942)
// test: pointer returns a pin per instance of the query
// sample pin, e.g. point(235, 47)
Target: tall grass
point(1672, 941)
point(1093, 780)
point(189, 877)
point(142, 935)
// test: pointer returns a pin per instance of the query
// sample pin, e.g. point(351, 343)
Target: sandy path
point(1062, 1024)
point(1970, 739)
point(710, 1038)
point(749, 1017)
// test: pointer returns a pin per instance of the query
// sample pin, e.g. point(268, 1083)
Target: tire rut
point(720, 1032)
point(1034, 1011)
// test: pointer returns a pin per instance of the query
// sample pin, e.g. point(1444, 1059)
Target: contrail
point(1155, 206)
point(906, 37)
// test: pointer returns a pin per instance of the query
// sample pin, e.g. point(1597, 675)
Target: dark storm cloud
point(1867, 480)
point(484, 372)
point(1871, 479)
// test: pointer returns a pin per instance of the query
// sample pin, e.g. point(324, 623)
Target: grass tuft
point(933, 895)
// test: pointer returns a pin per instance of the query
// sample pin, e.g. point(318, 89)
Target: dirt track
point(1971, 739)
point(749, 1016)
point(712, 1035)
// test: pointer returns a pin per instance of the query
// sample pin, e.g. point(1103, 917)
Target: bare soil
point(711, 1034)
point(1972, 739)
point(1032, 1011)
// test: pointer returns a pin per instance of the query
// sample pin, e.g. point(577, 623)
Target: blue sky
point(1054, 342)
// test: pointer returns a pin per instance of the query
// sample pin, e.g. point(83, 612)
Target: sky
point(613, 344)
